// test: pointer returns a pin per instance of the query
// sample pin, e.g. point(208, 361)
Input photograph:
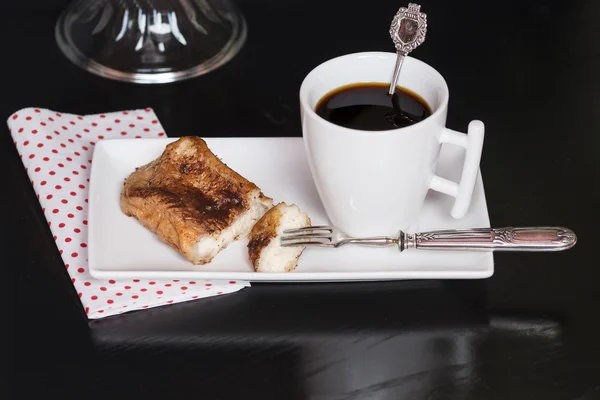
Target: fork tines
point(309, 235)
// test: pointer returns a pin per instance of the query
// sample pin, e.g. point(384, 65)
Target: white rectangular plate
point(119, 247)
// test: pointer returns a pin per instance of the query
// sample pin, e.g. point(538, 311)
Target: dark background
point(528, 69)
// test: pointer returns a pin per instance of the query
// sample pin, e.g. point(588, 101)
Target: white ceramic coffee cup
point(375, 182)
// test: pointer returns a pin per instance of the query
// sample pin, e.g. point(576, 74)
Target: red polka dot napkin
point(56, 150)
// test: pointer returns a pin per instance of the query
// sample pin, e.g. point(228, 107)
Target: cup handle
point(463, 191)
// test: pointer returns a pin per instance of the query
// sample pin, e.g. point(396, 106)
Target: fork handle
point(539, 238)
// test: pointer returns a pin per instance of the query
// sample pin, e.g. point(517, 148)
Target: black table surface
point(528, 69)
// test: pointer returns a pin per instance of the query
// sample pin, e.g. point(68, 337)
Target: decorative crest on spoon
point(408, 28)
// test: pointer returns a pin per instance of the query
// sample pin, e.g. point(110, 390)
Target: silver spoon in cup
point(408, 30)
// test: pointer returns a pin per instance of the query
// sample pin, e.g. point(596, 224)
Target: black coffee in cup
point(369, 107)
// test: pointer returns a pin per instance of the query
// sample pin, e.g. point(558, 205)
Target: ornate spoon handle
point(538, 238)
point(408, 31)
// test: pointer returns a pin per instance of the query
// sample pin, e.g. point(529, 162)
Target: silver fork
point(540, 238)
